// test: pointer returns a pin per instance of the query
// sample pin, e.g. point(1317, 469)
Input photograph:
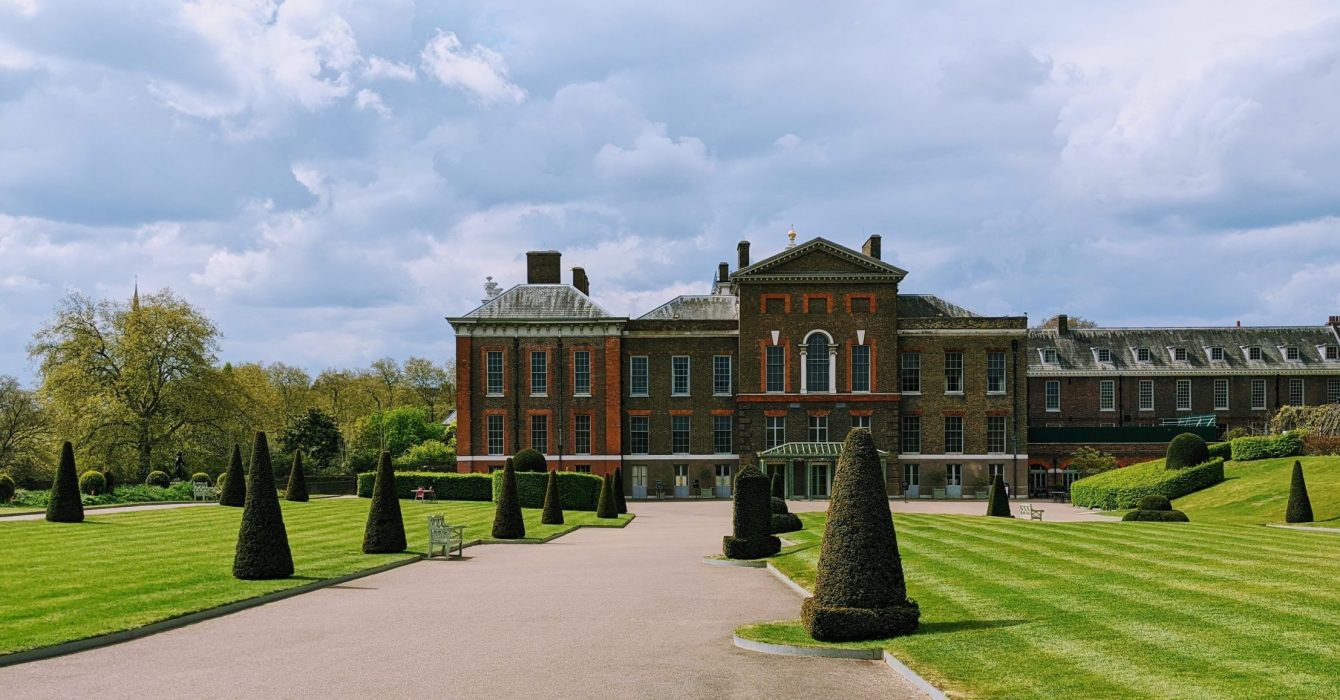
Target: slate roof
point(713, 307)
point(540, 301)
point(930, 306)
point(857, 258)
point(1076, 352)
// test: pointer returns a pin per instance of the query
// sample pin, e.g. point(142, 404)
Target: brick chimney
point(871, 247)
point(723, 272)
point(1335, 321)
point(1062, 325)
point(544, 267)
point(580, 282)
point(743, 253)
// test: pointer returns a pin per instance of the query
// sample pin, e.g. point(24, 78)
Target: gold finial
point(791, 238)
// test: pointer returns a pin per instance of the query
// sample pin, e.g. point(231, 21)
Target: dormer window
point(1291, 353)
point(1142, 355)
point(1254, 353)
point(1177, 354)
point(1049, 356)
point(1216, 354)
point(1331, 353)
point(1103, 355)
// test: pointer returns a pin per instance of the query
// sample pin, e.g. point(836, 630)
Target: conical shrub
point(262, 541)
point(7, 488)
point(297, 480)
point(234, 490)
point(385, 531)
point(619, 499)
point(1299, 509)
point(752, 520)
point(998, 505)
point(65, 505)
point(859, 590)
point(607, 506)
point(778, 485)
point(507, 521)
point(553, 509)
point(108, 477)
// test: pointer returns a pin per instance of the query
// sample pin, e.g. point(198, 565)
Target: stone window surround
point(832, 364)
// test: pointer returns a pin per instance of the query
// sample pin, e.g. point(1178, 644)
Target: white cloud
point(655, 155)
point(367, 99)
point(479, 70)
point(378, 68)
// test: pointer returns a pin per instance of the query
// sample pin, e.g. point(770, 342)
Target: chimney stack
point(723, 272)
point(1062, 325)
point(743, 250)
point(871, 247)
point(580, 282)
point(1237, 324)
point(544, 267)
point(1335, 321)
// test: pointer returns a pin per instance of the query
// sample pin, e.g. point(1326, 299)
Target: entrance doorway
point(912, 480)
point(639, 481)
point(820, 480)
point(681, 481)
point(723, 481)
point(954, 480)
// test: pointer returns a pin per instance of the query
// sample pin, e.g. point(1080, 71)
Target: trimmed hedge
point(575, 491)
point(779, 506)
point(619, 500)
point(752, 536)
point(446, 485)
point(262, 540)
point(158, 478)
point(1221, 450)
point(201, 478)
point(998, 506)
point(786, 522)
point(385, 530)
point(530, 460)
point(92, 483)
point(1123, 488)
point(1156, 516)
point(65, 505)
point(1155, 503)
point(553, 507)
point(1187, 450)
point(297, 481)
point(233, 483)
point(507, 521)
point(6, 489)
point(1299, 509)
point(1247, 449)
point(109, 479)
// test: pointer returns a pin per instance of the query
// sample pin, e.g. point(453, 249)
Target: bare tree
point(1072, 321)
point(387, 371)
point(432, 384)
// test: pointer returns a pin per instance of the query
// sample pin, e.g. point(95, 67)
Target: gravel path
point(599, 613)
point(90, 512)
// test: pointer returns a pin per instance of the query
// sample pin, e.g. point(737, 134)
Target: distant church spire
point(135, 298)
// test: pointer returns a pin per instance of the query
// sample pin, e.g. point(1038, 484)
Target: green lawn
point(1014, 609)
point(1256, 492)
point(60, 582)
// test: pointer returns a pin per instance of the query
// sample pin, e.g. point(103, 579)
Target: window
point(816, 363)
point(582, 469)
point(1296, 392)
point(637, 375)
point(775, 304)
point(495, 434)
point(1052, 394)
point(581, 373)
point(860, 368)
point(1258, 394)
point(1332, 352)
point(539, 432)
point(776, 368)
point(493, 364)
point(861, 304)
point(995, 434)
point(954, 434)
point(1103, 355)
point(1216, 354)
point(721, 435)
point(1179, 354)
point(953, 373)
point(1107, 395)
point(816, 305)
point(1146, 397)
point(1142, 355)
point(679, 375)
point(581, 427)
point(953, 475)
point(775, 431)
point(1184, 394)
point(640, 475)
point(721, 375)
point(860, 422)
point(1333, 390)
point(539, 373)
point(679, 434)
point(995, 373)
point(911, 475)
point(911, 373)
point(818, 428)
point(1221, 394)
point(995, 471)
point(911, 435)
point(1049, 356)
point(1254, 353)
point(1291, 354)
point(638, 442)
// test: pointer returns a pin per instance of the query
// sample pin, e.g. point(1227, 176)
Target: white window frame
point(646, 432)
point(675, 421)
point(771, 430)
point(1292, 350)
point(1102, 356)
point(717, 422)
point(1145, 394)
point(1221, 396)
point(543, 356)
point(1215, 353)
point(577, 434)
point(1003, 433)
point(688, 376)
point(781, 367)
point(864, 376)
point(1249, 350)
point(646, 375)
point(908, 435)
point(998, 373)
point(953, 475)
point(818, 428)
point(1259, 388)
point(950, 372)
point(860, 422)
point(576, 373)
point(501, 434)
point(1051, 395)
point(716, 375)
point(1177, 354)
point(1183, 394)
point(962, 438)
point(905, 371)
point(488, 373)
point(1107, 395)
point(543, 447)
point(1142, 355)
point(1297, 390)
point(1330, 353)
point(1333, 390)
point(1049, 356)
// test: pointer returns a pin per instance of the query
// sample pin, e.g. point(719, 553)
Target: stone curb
point(1307, 528)
point(109, 506)
point(795, 587)
point(912, 677)
point(821, 652)
point(743, 563)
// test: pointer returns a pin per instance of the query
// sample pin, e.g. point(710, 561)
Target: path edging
point(795, 587)
point(110, 506)
point(912, 677)
point(821, 652)
point(1307, 528)
point(743, 563)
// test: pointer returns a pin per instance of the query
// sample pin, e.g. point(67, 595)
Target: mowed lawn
point(1014, 609)
point(1257, 492)
point(61, 582)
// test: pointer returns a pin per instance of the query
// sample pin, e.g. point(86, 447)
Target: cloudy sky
point(328, 180)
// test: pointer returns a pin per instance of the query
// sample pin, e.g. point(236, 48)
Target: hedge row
point(575, 491)
point(1123, 488)
point(1247, 449)
point(1221, 450)
point(447, 486)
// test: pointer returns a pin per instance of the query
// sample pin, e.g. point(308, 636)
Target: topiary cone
point(262, 541)
point(111, 481)
point(607, 507)
point(619, 500)
point(1299, 509)
point(234, 491)
point(385, 531)
point(778, 486)
point(859, 590)
point(998, 505)
point(507, 521)
point(297, 480)
point(553, 509)
point(66, 506)
point(752, 519)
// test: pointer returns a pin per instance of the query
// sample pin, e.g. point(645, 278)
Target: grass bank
point(1255, 493)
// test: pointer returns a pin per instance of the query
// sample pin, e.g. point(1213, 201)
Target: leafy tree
point(297, 481)
point(430, 453)
point(292, 385)
point(385, 531)
point(262, 540)
point(315, 433)
point(430, 383)
point(399, 429)
point(1072, 322)
point(233, 492)
point(24, 427)
point(389, 377)
point(65, 506)
point(553, 508)
point(1091, 460)
point(507, 521)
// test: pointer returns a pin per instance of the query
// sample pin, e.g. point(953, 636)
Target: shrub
point(1155, 503)
point(385, 531)
point(1247, 449)
point(1221, 450)
point(530, 460)
point(222, 482)
point(428, 454)
point(1091, 460)
point(201, 478)
point(92, 483)
point(6, 489)
point(1322, 445)
point(297, 481)
point(785, 522)
point(233, 483)
point(1299, 509)
point(262, 540)
point(446, 485)
point(751, 524)
point(158, 478)
point(110, 480)
point(507, 521)
point(1123, 488)
point(859, 590)
point(778, 485)
point(778, 506)
point(553, 506)
point(998, 505)
point(1235, 433)
point(575, 491)
point(1187, 450)
point(65, 505)
point(607, 506)
point(619, 499)
point(1156, 516)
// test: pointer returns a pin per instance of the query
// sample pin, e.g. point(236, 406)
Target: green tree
point(315, 433)
point(293, 386)
point(1299, 508)
point(66, 505)
point(1073, 322)
point(430, 453)
point(389, 377)
point(553, 507)
point(24, 427)
point(1091, 460)
point(430, 383)
point(399, 429)
point(262, 540)
point(507, 521)
point(233, 492)
point(297, 481)
point(385, 531)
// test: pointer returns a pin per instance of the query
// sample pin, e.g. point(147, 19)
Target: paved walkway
point(112, 511)
point(597, 613)
point(1054, 512)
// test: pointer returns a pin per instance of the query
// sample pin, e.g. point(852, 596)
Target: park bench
point(205, 492)
point(1031, 512)
point(448, 537)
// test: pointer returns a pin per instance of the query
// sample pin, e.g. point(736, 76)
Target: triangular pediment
point(819, 257)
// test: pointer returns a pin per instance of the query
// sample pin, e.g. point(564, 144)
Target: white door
point(639, 481)
point(954, 481)
point(723, 481)
point(912, 480)
point(681, 481)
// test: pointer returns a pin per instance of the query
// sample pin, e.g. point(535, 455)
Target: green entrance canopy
point(1206, 421)
point(807, 450)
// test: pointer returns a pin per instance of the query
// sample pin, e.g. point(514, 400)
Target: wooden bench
point(1031, 512)
point(205, 492)
point(448, 537)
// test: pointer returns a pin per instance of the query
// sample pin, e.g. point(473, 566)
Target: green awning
point(1206, 421)
point(808, 450)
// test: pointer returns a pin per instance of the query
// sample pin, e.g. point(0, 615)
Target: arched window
point(816, 362)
